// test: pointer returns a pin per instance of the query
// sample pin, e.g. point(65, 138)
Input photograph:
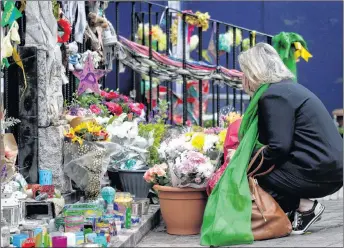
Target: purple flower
point(73, 110)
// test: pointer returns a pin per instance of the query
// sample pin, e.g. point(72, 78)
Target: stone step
point(131, 237)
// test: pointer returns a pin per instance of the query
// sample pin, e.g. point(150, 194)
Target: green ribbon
point(227, 216)
point(10, 14)
point(284, 45)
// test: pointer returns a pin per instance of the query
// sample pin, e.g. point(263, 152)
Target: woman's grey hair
point(261, 64)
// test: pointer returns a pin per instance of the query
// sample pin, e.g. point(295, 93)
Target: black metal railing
point(233, 96)
point(218, 96)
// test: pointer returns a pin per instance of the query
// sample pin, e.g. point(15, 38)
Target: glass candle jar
point(5, 234)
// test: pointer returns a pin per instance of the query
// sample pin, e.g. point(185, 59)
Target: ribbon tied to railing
point(300, 51)
point(290, 47)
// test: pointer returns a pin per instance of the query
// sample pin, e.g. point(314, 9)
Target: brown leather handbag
point(268, 219)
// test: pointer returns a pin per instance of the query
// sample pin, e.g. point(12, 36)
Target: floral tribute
point(157, 175)
point(89, 131)
point(108, 103)
point(188, 159)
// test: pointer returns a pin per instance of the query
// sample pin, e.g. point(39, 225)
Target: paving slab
point(326, 233)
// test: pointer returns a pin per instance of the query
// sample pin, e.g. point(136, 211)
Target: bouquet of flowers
point(158, 174)
point(89, 131)
point(86, 156)
point(208, 141)
point(133, 149)
point(191, 169)
point(107, 104)
point(188, 164)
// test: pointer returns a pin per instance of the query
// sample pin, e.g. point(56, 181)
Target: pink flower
point(161, 172)
point(198, 180)
point(125, 98)
point(104, 94)
point(147, 176)
point(135, 108)
point(95, 109)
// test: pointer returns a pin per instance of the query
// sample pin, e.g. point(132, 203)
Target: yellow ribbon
point(19, 62)
point(23, 5)
point(300, 51)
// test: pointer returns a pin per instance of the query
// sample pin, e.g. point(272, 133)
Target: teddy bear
point(95, 21)
point(74, 56)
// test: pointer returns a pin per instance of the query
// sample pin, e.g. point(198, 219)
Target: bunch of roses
point(157, 175)
point(117, 104)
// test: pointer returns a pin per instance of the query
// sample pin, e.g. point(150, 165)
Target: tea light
point(10, 212)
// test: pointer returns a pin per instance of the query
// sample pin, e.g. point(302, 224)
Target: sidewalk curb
point(131, 237)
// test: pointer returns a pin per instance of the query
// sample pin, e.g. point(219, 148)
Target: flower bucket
point(182, 209)
point(132, 181)
point(115, 181)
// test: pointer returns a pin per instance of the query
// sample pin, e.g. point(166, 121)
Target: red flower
point(114, 108)
point(141, 106)
point(95, 109)
point(112, 95)
point(104, 94)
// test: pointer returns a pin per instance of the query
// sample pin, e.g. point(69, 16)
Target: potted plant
point(181, 185)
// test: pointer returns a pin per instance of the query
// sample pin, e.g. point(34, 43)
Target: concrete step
point(131, 237)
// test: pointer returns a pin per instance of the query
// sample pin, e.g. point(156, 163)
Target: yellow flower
point(162, 42)
point(232, 117)
point(156, 32)
point(174, 32)
point(78, 139)
point(88, 126)
point(197, 141)
point(222, 136)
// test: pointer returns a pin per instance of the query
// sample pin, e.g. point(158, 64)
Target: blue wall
point(320, 23)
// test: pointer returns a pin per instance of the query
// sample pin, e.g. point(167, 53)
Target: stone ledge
point(131, 237)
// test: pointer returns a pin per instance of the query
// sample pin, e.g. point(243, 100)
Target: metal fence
point(151, 13)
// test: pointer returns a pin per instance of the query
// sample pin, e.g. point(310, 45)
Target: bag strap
point(254, 160)
point(252, 174)
point(264, 173)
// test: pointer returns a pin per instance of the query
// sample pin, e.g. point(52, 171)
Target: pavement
point(328, 232)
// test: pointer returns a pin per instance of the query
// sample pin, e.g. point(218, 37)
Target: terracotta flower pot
point(182, 209)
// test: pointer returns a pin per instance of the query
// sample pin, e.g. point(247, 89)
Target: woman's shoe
point(303, 220)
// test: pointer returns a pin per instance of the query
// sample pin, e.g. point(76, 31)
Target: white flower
point(209, 141)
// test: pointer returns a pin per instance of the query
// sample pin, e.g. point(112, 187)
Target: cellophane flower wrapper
point(86, 164)
point(191, 169)
point(133, 151)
